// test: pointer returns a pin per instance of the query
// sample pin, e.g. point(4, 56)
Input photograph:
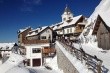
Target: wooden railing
point(35, 41)
point(78, 30)
point(49, 50)
point(92, 62)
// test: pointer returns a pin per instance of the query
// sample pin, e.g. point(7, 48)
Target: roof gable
point(97, 25)
point(74, 21)
point(40, 30)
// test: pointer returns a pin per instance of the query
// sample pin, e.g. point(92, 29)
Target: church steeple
point(67, 15)
point(67, 10)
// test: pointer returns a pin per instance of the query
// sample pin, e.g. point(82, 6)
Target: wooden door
point(36, 62)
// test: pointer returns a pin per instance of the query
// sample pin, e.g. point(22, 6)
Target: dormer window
point(36, 31)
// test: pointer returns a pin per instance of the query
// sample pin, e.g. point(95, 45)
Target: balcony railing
point(35, 41)
point(49, 50)
point(92, 62)
point(78, 31)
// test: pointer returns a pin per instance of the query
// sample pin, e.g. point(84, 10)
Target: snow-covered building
point(22, 35)
point(70, 26)
point(102, 31)
point(34, 55)
point(37, 44)
point(42, 33)
point(6, 49)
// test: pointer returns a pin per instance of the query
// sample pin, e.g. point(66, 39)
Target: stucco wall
point(63, 62)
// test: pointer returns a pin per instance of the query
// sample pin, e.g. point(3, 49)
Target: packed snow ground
point(50, 62)
point(14, 65)
point(104, 55)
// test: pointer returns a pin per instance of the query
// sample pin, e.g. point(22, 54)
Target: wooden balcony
point(48, 50)
point(35, 41)
point(78, 31)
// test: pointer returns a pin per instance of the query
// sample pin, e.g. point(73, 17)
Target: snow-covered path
point(41, 70)
point(51, 62)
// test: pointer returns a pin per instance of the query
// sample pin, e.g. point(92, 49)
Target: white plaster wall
point(47, 33)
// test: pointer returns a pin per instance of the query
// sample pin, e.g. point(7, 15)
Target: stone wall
point(63, 62)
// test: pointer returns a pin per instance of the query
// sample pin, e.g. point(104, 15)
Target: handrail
point(92, 62)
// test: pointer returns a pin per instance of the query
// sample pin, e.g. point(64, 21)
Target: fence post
point(99, 63)
point(81, 57)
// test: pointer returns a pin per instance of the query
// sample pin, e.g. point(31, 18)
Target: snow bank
point(13, 64)
point(52, 62)
point(42, 70)
point(92, 49)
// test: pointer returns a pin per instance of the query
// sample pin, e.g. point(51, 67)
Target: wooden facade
point(79, 28)
point(22, 35)
point(36, 41)
point(69, 29)
point(102, 31)
point(47, 51)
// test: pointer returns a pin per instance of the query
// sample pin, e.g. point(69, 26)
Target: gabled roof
point(97, 25)
point(106, 17)
point(65, 24)
point(40, 30)
point(22, 30)
point(6, 46)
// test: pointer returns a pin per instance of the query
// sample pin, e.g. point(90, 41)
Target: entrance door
point(36, 62)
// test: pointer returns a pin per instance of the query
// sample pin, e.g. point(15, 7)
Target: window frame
point(36, 50)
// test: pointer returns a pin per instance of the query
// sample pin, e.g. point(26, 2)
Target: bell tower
point(67, 15)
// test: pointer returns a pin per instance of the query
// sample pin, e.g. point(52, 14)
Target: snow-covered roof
point(82, 23)
point(22, 30)
point(103, 9)
point(13, 62)
point(33, 32)
point(106, 17)
point(6, 46)
point(64, 24)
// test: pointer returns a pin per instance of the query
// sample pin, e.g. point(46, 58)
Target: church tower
point(67, 15)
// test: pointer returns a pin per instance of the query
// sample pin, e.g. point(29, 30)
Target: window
point(43, 37)
point(47, 31)
point(67, 30)
point(36, 31)
point(19, 36)
point(36, 50)
point(28, 62)
point(69, 17)
point(70, 30)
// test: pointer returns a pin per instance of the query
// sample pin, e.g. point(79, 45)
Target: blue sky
point(17, 14)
